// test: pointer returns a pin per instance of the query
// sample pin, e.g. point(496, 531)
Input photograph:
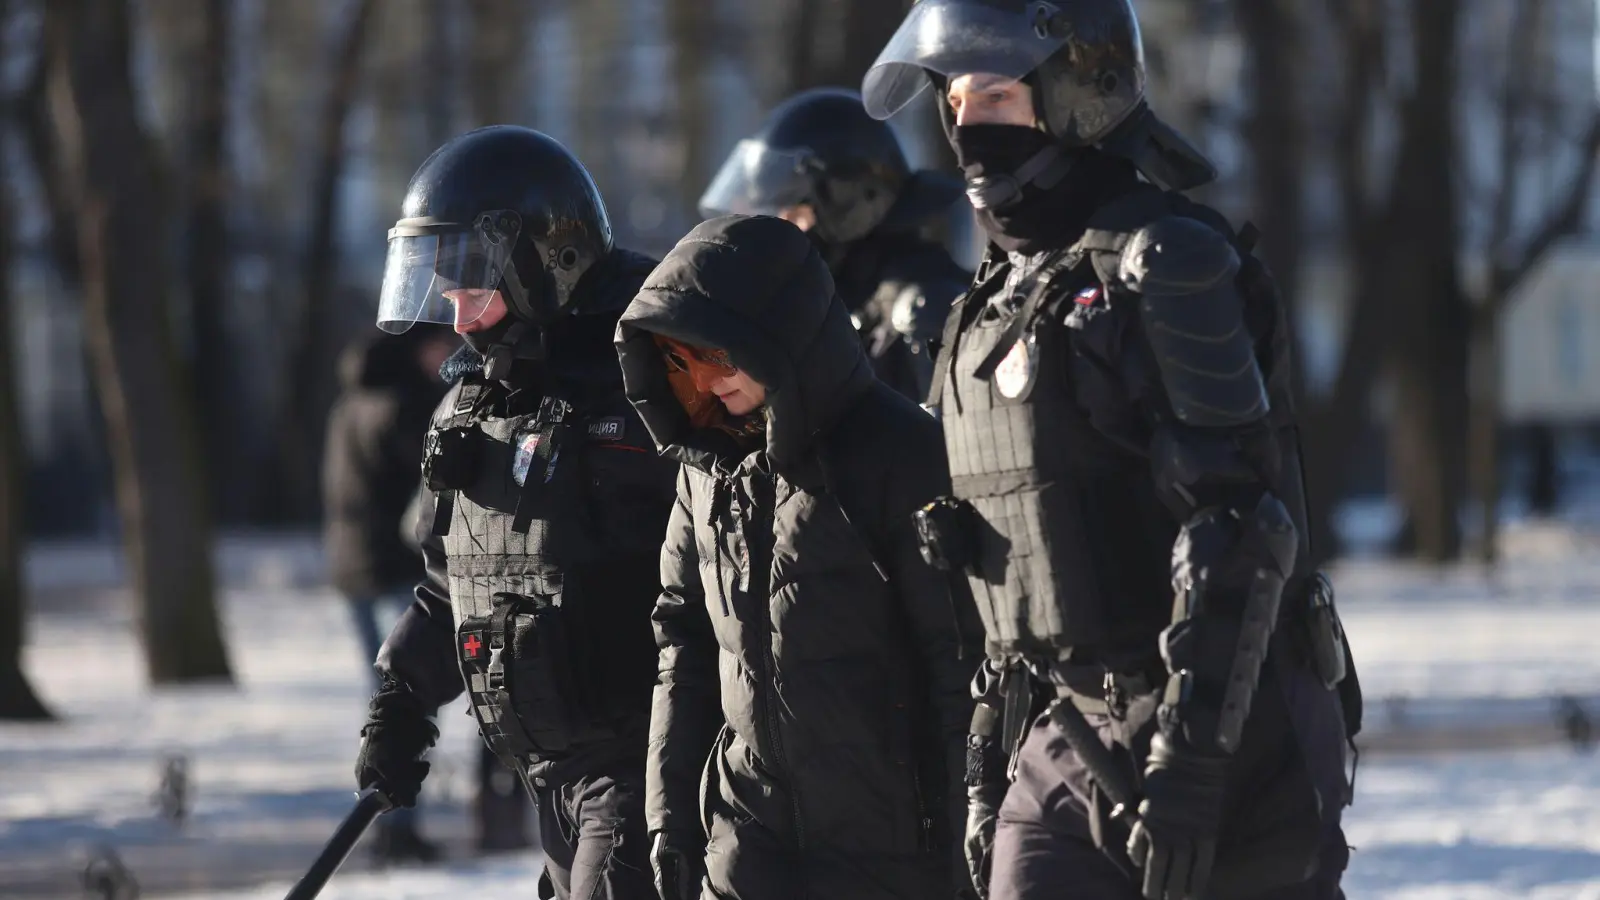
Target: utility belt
point(517, 666)
point(1308, 631)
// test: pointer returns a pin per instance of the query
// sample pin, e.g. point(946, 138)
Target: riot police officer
point(1128, 502)
point(822, 163)
point(548, 503)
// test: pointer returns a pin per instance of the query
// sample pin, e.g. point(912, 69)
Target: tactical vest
point(522, 547)
point(1068, 545)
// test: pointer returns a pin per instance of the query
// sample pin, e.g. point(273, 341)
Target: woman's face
point(740, 394)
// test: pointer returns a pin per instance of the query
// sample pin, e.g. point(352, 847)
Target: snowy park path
point(270, 761)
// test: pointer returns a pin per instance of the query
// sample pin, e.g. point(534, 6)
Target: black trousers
point(595, 846)
point(1043, 844)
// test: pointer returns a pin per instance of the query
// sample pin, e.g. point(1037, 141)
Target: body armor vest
point(1035, 456)
point(536, 576)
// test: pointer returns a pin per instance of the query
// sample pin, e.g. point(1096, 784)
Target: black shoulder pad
point(1183, 273)
point(1176, 255)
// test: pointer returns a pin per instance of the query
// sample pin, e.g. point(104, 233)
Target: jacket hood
point(756, 287)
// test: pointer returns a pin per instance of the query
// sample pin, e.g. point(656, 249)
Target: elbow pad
point(1229, 571)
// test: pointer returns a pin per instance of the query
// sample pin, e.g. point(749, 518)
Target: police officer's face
point(802, 216)
point(476, 310)
point(982, 99)
point(740, 394)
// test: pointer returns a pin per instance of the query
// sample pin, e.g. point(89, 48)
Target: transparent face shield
point(951, 38)
point(759, 180)
point(445, 272)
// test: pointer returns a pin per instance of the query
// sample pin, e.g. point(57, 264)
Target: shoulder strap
point(962, 312)
point(1058, 262)
point(1113, 225)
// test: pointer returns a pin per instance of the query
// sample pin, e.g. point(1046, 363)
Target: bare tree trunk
point(309, 362)
point(208, 261)
point(1427, 359)
point(440, 92)
point(1274, 32)
point(1334, 426)
point(38, 140)
point(1544, 479)
point(497, 44)
point(17, 698)
point(123, 228)
point(691, 50)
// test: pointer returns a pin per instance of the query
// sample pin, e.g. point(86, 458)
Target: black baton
point(368, 805)
point(1085, 741)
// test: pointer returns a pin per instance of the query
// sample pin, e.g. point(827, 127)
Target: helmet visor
point(444, 273)
point(951, 38)
point(759, 180)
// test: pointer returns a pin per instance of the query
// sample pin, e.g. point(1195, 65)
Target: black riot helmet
point(1084, 60)
point(501, 208)
point(821, 149)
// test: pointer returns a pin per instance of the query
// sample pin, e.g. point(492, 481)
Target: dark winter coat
point(371, 462)
point(812, 707)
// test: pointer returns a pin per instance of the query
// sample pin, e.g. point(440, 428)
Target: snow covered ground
point(270, 761)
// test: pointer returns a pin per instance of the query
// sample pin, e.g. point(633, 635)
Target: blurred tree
point(38, 141)
point(207, 252)
point(498, 38)
point(123, 224)
point(309, 358)
point(1274, 33)
point(1399, 239)
point(17, 698)
point(832, 43)
point(1522, 101)
point(1426, 360)
point(692, 50)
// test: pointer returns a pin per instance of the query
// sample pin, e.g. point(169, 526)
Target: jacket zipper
point(757, 588)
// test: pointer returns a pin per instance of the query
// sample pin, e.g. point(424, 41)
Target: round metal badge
point(1014, 376)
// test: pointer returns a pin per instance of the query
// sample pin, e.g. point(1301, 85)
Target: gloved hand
point(678, 867)
point(1175, 839)
point(397, 734)
point(983, 808)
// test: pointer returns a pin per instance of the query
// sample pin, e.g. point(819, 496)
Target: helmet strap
point(1045, 169)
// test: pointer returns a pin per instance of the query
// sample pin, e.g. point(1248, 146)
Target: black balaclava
point(1035, 194)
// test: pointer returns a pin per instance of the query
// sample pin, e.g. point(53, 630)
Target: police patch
point(1087, 296)
point(1014, 375)
point(527, 449)
point(609, 428)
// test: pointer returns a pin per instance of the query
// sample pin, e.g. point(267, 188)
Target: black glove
point(396, 735)
point(1175, 839)
point(678, 869)
point(983, 808)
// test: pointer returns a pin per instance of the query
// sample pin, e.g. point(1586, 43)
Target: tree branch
point(1566, 219)
point(1514, 83)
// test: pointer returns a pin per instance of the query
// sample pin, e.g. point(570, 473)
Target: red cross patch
point(470, 645)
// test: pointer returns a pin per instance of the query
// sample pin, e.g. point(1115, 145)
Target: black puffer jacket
point(797, 616)
point(371, 461)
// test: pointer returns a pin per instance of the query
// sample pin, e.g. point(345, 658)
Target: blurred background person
point(389, 387)
point(820, 162)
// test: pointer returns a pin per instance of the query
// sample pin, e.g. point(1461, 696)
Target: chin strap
point(521, 341)
point(1044, 169)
